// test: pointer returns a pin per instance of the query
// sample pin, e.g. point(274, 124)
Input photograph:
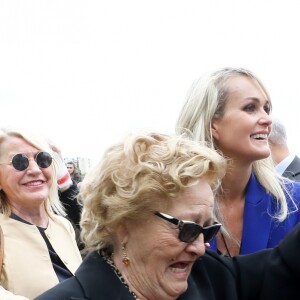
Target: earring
point(125, 260)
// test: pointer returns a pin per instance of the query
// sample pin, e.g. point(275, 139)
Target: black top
point(71, 205)
point(272, 274)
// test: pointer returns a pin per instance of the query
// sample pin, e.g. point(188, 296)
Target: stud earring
point(125, 260)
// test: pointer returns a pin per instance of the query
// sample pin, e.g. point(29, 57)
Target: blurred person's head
point(133, 201)
point(278, 132)
point(71, 168)
point(278, 141)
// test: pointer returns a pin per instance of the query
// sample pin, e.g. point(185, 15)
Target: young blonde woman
point(230, 110)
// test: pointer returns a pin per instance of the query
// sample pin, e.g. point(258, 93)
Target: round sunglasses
point(189, 231)
point(20, 161)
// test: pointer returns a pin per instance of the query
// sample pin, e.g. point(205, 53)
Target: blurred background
point(85, 73)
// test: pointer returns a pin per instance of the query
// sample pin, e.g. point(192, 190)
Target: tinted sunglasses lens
point(20, 162)
point(211, 232)
point(189, 232)
point(43, 159)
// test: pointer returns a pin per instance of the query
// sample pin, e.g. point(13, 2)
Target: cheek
point(9, 183)
point(10, 179)
point(164, 247)
point(48, 173)
point(158, 242)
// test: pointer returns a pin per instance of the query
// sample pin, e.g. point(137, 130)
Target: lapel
point(293, 168)
point(257, 222)
point(99, 281)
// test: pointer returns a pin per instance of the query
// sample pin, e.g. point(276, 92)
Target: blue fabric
point(260, 229)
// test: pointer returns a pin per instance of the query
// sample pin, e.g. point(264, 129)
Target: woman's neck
point(37, 217)
point(231, 207)
point(235, 182)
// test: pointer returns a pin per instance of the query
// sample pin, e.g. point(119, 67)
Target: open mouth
point(259, 136)
point(179, 267)
point(34, 183)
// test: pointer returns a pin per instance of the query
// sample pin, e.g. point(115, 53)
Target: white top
point(281, 167)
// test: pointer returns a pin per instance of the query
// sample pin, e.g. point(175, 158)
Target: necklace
point(225, 244)
point(109, 260)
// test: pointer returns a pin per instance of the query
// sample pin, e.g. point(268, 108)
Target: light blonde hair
point(138, 176)
point(205, 102)
point(52, 203)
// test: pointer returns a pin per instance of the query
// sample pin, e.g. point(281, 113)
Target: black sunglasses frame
point(188, 227)
point(20, 161)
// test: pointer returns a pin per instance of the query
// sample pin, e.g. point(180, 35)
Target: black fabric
point(62, 272)
point(94, 280)
point(293, 170)
point(77, 178)
point(272, 274)
point(70, 203)
point(73, 209)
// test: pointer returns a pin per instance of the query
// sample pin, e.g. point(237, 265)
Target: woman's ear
point(214, 130)
point(122, 234)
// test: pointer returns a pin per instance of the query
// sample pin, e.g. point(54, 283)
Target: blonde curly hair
point(138, 176)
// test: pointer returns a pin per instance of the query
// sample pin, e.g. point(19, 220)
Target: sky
point(87, 72)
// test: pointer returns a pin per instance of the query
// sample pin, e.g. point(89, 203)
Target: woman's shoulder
point(60, 221)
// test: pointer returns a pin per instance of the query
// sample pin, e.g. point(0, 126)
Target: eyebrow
point(257, 99)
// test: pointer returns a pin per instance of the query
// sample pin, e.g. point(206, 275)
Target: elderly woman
point(134, 204)
point(39, 243)
point(148, 216)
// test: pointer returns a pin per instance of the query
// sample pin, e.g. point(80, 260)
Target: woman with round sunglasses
point(40, 249)
point(230, 110)
point(148, 217)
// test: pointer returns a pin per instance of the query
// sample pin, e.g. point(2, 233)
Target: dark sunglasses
point(189, 231)
point(20, 161)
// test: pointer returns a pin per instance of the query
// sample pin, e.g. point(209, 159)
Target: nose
point(33, 166)
point(265, 119)
point(197, 246)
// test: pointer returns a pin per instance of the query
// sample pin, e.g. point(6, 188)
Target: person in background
point(68, 191)
point(40, 249)
point(230, 110)
point(287, 164)
point(75, 175)
point(148, 214)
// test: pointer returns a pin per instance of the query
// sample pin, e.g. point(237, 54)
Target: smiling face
point(242, 131)
point(23, 189)
point(159, 262)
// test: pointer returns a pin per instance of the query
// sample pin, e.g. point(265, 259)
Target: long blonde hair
point(206, 101)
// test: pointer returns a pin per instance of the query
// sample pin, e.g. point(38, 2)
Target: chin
point(180, 288)
point(266, 154)
point(39, 198)
point(261, 155)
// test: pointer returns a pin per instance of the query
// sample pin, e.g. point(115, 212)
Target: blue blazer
point(260, 229)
